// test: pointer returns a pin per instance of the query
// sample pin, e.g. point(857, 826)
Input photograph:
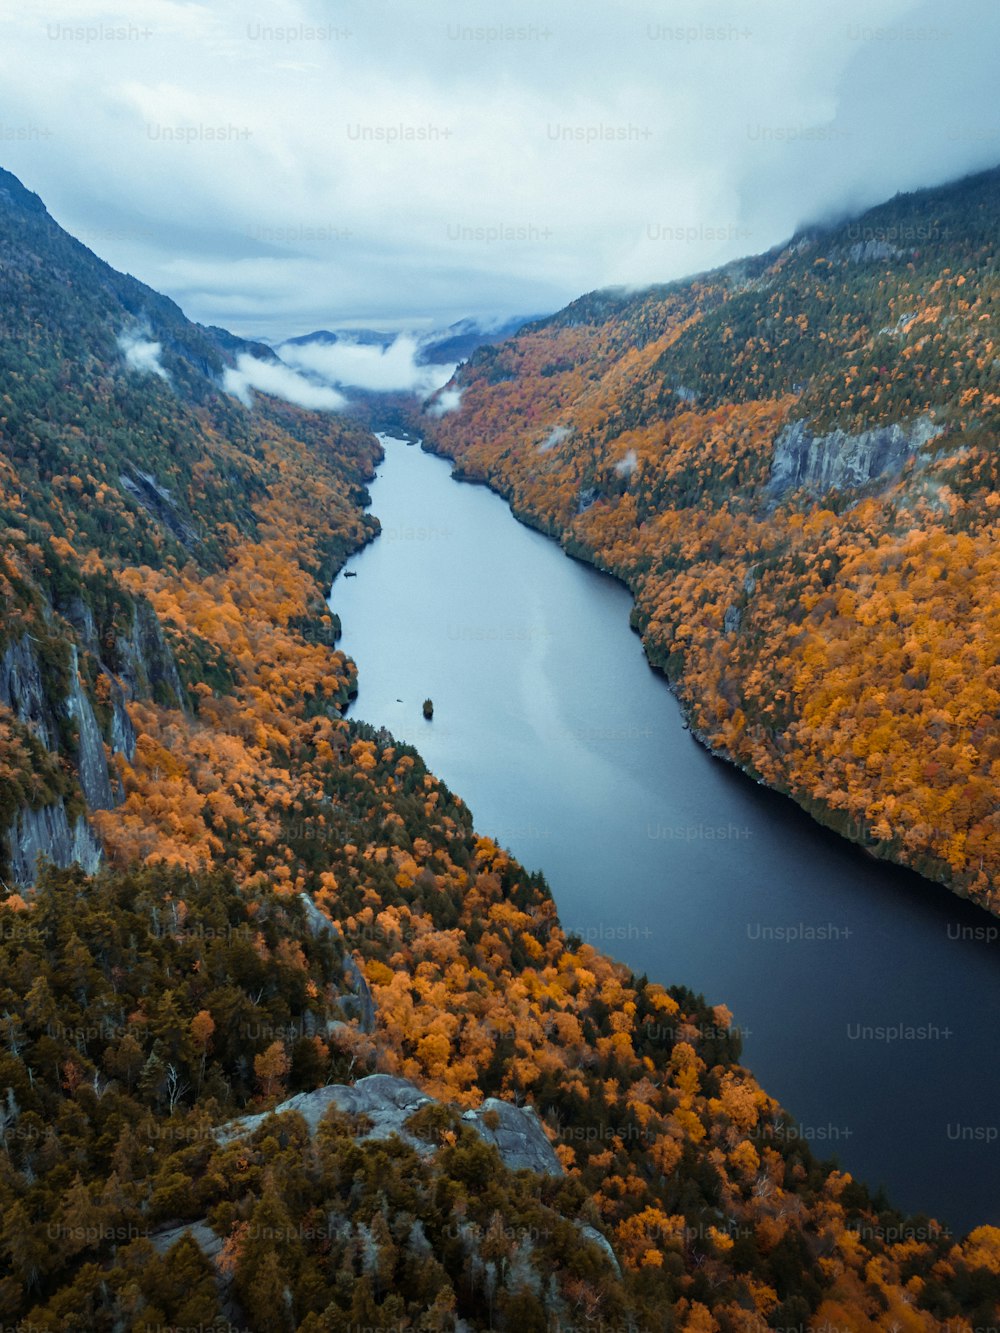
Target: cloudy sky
point(315, 163)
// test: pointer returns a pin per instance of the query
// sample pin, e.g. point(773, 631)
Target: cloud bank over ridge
point(386, 160)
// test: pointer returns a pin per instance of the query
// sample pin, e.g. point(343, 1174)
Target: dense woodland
point(839, 641)
point(145, 1006)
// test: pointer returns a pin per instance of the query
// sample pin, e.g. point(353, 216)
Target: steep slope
point(119, 452)
point(792, 462)
point(289, 903)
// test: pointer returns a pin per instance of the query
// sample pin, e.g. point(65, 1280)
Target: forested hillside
point(281, 901)
point(792, 461)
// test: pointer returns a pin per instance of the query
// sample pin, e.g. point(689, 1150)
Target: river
point(866, 997)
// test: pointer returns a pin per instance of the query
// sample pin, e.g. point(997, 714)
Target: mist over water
point(864, 995)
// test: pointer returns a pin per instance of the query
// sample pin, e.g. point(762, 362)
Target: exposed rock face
point(92, 763)
point(596, 1238)
point(81, 617)
point(122, 738)
point(22, 690)
point(48, 833)
point(159, 504)
point(148, 668)
point(389, 1102)
point(873, 251)
point(201, 1233)
point(839, 461)
point(587, 497)
point(148, 671)
point(122, 730)
point(320, 924)
point(519, 1137)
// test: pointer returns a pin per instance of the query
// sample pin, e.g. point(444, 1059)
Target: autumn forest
point(247, 900)
point(791, 463)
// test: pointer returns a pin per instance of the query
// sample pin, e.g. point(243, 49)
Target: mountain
point(261, 906)
point(326, 337)
point(460, 340)
point(119, 448)
point(792, 463)
point(441, 348)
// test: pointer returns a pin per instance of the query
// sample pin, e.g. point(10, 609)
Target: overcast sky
point(404, 163)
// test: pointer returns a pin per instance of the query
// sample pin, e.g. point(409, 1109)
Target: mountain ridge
point(715, 443)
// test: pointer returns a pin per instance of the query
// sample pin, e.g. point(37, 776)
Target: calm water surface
point(867, 999)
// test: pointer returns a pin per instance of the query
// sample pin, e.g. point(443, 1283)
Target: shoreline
point(823, 816)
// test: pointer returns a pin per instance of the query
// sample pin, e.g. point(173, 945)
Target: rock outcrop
point(388, 1102)
point(22, 690)
point(91, 761)
point(201, 1233)
point(159, 504)
point(148, 669)
point(320, 924)
point(122, 730)
point(81, 617)
point(840, 461)
point(385, 1105)
point(517, 1135)
point(874, 251)
point(48, 834)
point(597, 1238)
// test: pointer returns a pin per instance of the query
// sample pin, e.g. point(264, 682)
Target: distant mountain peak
point(13, 192)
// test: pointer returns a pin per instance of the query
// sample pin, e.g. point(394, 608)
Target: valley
point(791, 462)
point(572, 751)
point(253, 897)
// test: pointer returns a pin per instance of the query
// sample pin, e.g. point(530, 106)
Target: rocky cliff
point(50, 834)
point(54, 706)
point(840, 460)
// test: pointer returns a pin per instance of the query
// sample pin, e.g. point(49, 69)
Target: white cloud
point(369, 160)
point(448, 400)
point(142, 355)
point(555, 436)
point(368, 366)
point(281, 381)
